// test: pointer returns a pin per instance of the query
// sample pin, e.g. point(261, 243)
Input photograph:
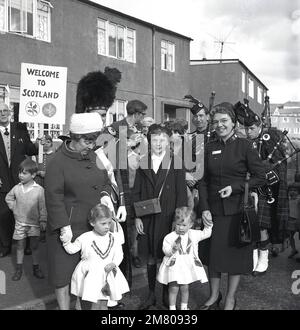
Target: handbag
point(249, 231)
point(149, 206)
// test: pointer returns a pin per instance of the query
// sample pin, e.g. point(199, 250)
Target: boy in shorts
point(26, 200)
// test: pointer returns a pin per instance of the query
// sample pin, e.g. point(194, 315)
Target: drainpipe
point(153, 74)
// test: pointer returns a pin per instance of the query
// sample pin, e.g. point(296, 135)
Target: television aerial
point(222, 41)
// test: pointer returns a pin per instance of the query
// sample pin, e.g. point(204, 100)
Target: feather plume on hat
point(198, 105)
point(245, 115)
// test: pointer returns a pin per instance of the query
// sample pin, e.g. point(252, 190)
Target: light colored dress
point(89, 277)
point(183, 266)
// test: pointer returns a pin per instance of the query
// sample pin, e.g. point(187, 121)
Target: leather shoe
point(150, 301)
point(119, 306)
point(17, 275)
point(37, 272)
point(136, 261)
point(214, 306)
point(27, 251)
point(4, 252)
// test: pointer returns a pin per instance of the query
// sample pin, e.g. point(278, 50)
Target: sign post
point(43, 96)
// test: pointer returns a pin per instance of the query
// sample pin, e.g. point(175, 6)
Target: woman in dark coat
point(227, 160)
point(149, 180)
point(73, 185)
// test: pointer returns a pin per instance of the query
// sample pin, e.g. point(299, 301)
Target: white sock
point(183, 307)
point(172, 308)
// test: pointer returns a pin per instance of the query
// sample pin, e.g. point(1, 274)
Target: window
point(116, 112)
point(167, 56)
point(30, 18)
point(243, 82)
point(251, 88)
point(115, 40)
point(260, 95)
point(296, 130)
point(297, 120)
point(285, 119)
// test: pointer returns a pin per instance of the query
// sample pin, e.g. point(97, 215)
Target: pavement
point(278, 289)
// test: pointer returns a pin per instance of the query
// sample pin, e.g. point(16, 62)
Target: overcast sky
point(264, 34)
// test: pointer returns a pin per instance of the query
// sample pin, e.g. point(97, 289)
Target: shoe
point(274, 252)
point(292, 254)
point(136, 261)
point(27, 251)
point(17, 275)
point(214, 306)
point(262, 263)
point(234, 305)
point(37, 272)
point(4, 252)
point(150, 301)
point(119, 306)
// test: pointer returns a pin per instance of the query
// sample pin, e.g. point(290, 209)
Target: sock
point(183, 307)
point(263, 245)
point(19, 267)
point(172, 308)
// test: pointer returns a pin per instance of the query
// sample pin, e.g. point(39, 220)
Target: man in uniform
point(273, 216)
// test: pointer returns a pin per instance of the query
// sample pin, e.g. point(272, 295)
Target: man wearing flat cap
point(272, 216)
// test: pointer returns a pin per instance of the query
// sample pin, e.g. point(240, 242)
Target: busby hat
point(245, 115)
point(97, 90)
point(85, 123)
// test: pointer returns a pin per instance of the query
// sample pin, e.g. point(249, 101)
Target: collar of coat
point(75, 154)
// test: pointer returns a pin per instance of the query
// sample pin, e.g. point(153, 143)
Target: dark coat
point(21, 146)
point(73, 185)
point(226, 164)
point(174, 194)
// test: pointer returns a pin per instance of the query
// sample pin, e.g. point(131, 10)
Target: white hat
point(85, 123)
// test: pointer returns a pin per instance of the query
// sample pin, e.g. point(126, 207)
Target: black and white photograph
point(149, 157)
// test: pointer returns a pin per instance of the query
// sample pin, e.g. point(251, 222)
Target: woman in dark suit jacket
point(227, 161)
point(148, 183)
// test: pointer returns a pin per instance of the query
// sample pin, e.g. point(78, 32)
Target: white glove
point(107, 201)
point(66, 234)
point(121, 214)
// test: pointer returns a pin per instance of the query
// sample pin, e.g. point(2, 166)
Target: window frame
point(36, 13)
point(125, 37)
point(243, 81)
point(251, 90)
point(167, 56)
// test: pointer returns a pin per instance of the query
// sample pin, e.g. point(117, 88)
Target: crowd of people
point(143, 193)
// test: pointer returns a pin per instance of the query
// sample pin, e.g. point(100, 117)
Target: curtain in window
point(112, 40)
point(2, 15)
point(130, 46)
point(121, 33)
point(101, 37)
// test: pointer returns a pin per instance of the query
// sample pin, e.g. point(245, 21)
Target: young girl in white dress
point(97, 277)
point(181, 264)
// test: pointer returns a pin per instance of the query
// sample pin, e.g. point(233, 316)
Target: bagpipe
point(271, 147)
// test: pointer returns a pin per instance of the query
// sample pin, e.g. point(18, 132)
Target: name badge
point(216, 152)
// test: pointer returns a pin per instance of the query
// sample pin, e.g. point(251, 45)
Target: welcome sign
point(43, 94)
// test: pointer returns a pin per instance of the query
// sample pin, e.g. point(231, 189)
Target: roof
point(288, 108)
point(137, 20)
point(227, 61)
